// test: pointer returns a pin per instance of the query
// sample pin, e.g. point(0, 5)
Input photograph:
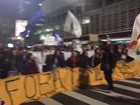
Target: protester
point(59, 60)
point(21, 60)
point(14, 60)
point(83, 64)
point(31, 66)
point(5, 63)
point(1, 56)
point(95, 59)
point(47, 59)
point(38, 55)
point(49, 63)
point(73, 61)
point(84, 60)
point(107, 65)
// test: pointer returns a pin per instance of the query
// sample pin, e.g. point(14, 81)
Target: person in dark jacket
point(107, 65)
point(59, 60)
point(49, 63)
point(83, 64)
point(14, 61)
point(72, 62)
point(5, 63)
point(83, 60)
point(31, 66)
point(21, 57)
point(95, 59)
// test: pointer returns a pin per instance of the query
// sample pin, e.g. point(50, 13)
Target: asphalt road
point(126, 92)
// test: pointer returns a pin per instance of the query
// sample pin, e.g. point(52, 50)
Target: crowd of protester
point(17, 61)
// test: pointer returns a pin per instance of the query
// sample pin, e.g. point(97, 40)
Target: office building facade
point(103, 17)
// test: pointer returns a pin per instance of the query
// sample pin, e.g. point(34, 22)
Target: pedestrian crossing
point(126, 92)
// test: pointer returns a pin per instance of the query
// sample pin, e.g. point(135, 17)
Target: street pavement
point(126, 92)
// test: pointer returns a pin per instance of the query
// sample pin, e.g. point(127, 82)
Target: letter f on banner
point(134, 46)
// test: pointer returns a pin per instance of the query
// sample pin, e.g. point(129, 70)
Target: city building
point(103, 17)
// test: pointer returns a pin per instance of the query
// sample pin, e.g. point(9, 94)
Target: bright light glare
point(29, 46)
point(42, 37)
point(40, 4)
point(10, 45)
point(19, 37)
point(117, 39)
point(20, 26)
point(27, 2)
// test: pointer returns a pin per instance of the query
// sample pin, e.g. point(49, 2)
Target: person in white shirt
point(37, 53)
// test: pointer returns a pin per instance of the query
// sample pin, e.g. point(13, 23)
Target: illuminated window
point(42, 37)
point(49, 29)
point(86, 20)
point(39, 25)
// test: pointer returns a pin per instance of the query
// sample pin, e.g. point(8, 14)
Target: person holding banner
point(58, 58)
point(95, 59)
point(72, 61)
point(107, 65)
point(83, 64)
point(31, 66)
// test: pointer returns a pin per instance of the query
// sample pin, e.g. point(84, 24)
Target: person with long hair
point(72, 61)
point(31, 66)
point(59, 60)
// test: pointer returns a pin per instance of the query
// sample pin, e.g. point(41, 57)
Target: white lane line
point(114, 94)
point(127, 88)
point(50, 101)
point(132, 82)
point(85, 99)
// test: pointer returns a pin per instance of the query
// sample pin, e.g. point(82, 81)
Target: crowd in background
point(43, 59)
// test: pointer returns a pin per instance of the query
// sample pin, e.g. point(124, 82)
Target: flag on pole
point(134, 46)
point(72, 25)
point(68, 23)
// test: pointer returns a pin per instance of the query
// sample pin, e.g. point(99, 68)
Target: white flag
point(134, 46)
point(68, 23)
point(73, 25)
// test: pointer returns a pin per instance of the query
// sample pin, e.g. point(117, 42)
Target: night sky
point(10, 9)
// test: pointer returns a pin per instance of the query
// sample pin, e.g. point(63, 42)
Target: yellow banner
point(122, 71)
point(20, 89)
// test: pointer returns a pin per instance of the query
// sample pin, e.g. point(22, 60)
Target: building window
point(86, 20)
point(49, 29)
point(42, 37)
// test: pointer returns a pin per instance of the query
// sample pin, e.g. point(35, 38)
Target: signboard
point(50, 40)
point(93, 37)
point(20, 26)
